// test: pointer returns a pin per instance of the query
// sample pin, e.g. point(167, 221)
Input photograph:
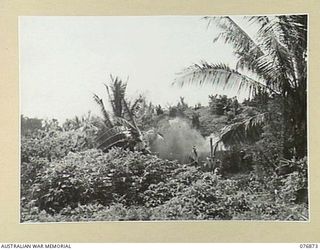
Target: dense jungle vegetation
point(157, 163)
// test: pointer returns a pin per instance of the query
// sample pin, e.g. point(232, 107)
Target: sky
point(64, 60)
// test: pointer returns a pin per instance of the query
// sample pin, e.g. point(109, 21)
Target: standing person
point(241, 165)
point(195, 157)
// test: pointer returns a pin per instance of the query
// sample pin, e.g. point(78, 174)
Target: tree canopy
point(277, 56)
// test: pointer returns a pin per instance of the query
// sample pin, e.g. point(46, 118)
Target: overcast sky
point(64, 60)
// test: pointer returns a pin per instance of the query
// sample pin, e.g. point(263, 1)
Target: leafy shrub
point(211, 197)
point(64, 179)
point(53, 144)
point(124, 185)
point(30, 125)
point(30, 173)
point(95, 177)
point(205, 198)
point(161, 192)
point(294, 186)
point(219, 104)
point(210, 123)
point(159, 110)
point(89, 212)
point(173, 112)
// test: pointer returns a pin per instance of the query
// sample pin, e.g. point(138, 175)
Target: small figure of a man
point(195, 156)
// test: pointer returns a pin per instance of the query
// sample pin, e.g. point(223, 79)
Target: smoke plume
point(178, 140)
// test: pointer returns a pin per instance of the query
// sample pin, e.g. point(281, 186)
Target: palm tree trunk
point(287, 128)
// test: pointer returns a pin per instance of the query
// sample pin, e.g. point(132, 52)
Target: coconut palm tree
point(274, 61)
point(120, 125)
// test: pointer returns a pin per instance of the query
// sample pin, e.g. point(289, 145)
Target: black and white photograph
point(163, 118)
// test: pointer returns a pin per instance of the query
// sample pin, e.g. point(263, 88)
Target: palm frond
point(136, 103)
point(118, 136)
point(254, 54)
point(104, 112)
point(277, 61)
point(269, 54)
point(295, 29)
point(123, 122)
point(116, 95)
point(109, 97)
point(244, 45)
point(262, 20)
point(219, 75)
point(286, 28)
point(138, 133)
point(233, 34)
point(248, 130)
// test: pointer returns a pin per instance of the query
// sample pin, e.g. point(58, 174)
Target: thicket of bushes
point(91, 185)
point(64, 178)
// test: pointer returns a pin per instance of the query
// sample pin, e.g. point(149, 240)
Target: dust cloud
point(178, 139)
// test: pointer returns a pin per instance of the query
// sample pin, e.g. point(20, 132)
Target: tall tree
point(122, 116)
point(277, 56)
